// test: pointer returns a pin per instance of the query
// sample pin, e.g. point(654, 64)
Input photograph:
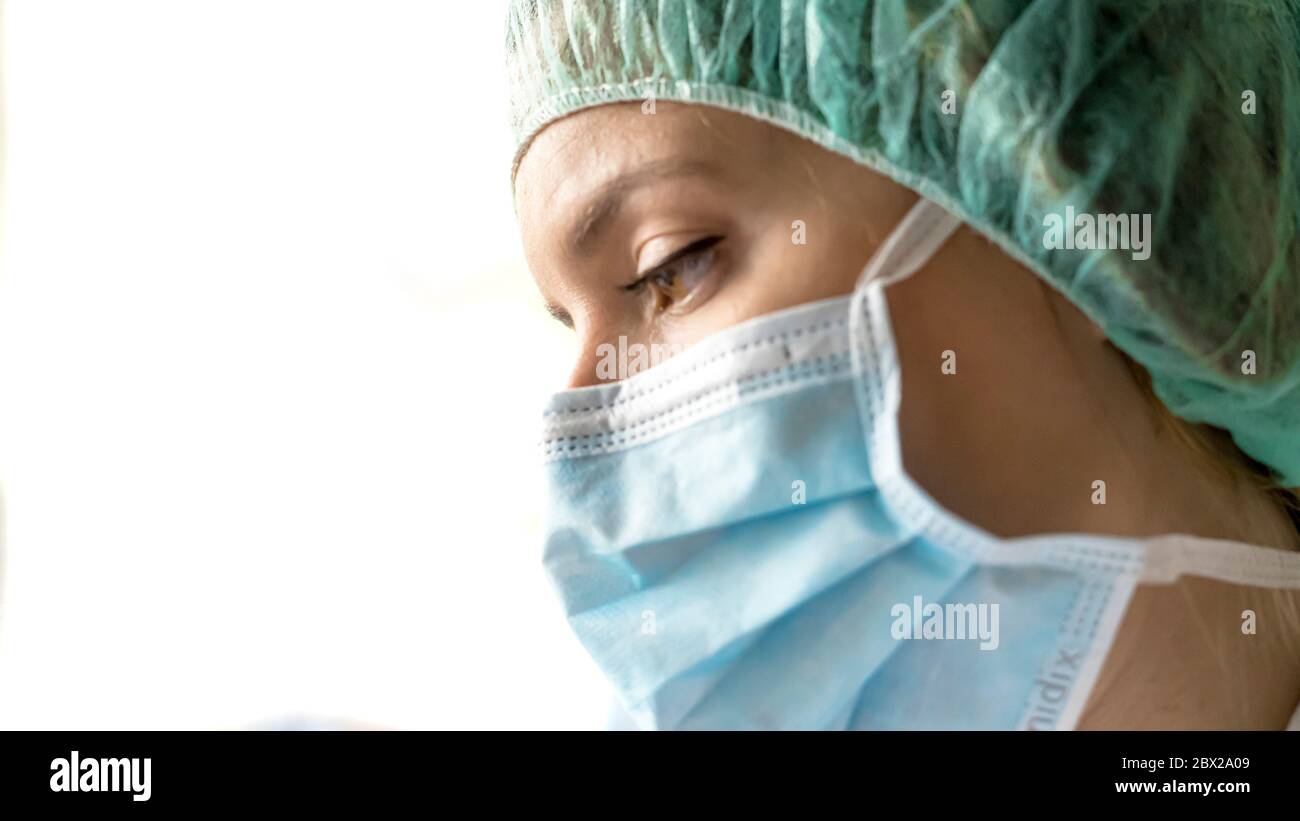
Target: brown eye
point(682, 276)
point(679, 280)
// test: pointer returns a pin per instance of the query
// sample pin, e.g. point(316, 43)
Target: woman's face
point(665, 227)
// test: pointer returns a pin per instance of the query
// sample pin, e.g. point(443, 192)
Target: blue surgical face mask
point(736, 543)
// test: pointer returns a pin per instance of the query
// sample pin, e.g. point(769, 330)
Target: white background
point(270, 371)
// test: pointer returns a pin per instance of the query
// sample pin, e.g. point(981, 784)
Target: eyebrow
point(611, 195)
point(608, 200)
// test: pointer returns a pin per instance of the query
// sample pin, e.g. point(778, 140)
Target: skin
point(1042, 405)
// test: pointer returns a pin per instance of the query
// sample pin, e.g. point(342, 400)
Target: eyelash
point(700, 246)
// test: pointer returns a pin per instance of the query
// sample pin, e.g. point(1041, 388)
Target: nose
point(585, 371)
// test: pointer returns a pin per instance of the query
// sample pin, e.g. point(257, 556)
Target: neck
point(1039, 411)
point(1043, 427)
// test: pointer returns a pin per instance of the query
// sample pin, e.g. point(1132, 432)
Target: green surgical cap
point(1020, 116)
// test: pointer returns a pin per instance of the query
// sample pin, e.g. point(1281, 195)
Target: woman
point(1031, 467)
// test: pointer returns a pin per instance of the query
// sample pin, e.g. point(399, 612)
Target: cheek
point(788, 266)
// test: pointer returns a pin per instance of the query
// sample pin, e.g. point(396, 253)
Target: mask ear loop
point(916, 238)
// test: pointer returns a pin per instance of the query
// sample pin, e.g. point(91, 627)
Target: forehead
point(579, 153)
